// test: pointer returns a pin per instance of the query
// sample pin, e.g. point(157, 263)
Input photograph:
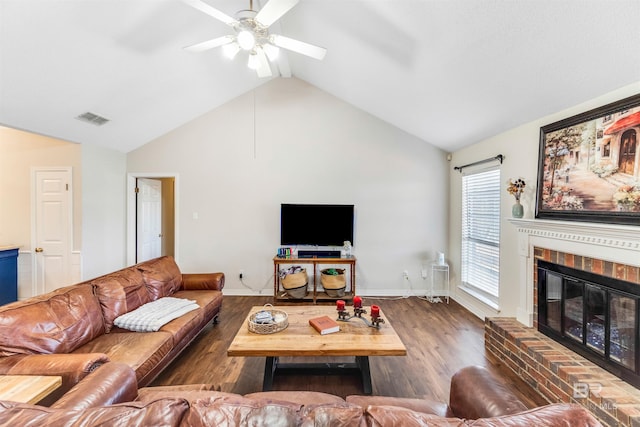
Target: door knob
point(38, 250)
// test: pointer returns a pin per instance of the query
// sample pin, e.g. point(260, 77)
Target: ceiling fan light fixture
point(252, 35)
point(246, 40)
point(271, 51)
point(231, 50)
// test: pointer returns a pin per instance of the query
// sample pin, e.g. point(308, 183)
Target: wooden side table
point(27, 388)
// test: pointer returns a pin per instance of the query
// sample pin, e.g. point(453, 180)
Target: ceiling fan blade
point(297, 46)
point(211, 11)
point(273, 10)
point(209, 44)
point(264, 69)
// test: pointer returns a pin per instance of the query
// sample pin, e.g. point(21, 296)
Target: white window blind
point(481, 234)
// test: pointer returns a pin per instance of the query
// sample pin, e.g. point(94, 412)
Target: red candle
point(340, 305)
point(375, 311)
point(357, 302)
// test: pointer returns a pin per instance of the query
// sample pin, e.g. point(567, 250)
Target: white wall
point(300, 145)
point(104, 213)
point(20, 152)
point(520, 148)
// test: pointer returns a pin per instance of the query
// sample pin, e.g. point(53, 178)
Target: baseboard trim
point(364, 293)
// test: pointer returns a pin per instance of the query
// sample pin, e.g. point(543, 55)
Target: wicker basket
point(280, 322)
point(295, 284)
point(334, 285)
point(297, 293)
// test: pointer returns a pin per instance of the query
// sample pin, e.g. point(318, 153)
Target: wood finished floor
point(440, 339)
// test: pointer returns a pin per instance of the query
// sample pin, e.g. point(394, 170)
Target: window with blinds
point(481, 234)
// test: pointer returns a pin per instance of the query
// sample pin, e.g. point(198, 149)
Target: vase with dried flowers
point(516, 188)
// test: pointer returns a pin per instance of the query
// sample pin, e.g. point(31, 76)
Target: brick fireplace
point(556, 372)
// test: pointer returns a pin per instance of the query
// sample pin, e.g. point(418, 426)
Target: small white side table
point(439, 282)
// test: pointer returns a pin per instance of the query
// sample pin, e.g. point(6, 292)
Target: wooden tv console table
point(315, 296)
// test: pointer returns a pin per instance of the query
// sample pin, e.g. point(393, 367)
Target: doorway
point(151, 216)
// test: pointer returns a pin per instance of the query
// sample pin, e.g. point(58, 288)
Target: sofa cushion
point(142, 351)
point(185, 327)
point(191, 392)
point(57, 322)
point(119, 293)
point(333, 414)
point(299, 397)
point(163, 412)
point(558, 414)
point(240, 412)
point(209, 300)
point(567, 415)
point(397, 416)
point(161, 276)
point(150, 317)
point(421, 405)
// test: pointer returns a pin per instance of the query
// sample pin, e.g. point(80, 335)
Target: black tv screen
point(321, 225)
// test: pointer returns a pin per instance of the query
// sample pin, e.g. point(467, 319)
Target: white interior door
point(52, 231)
point(149, 219)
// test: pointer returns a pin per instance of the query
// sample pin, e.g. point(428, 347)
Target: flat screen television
point(317, 225)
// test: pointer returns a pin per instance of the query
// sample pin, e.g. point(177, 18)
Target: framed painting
point(589, 166)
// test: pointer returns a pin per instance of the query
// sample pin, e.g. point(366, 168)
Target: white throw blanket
point(151, 316)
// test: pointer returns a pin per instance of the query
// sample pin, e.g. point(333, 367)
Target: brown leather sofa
point(70, 331)
point(476, 399)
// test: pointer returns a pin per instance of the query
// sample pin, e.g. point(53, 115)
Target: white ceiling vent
point(92, 118)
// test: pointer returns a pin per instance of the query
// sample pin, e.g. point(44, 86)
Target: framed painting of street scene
point(589, 166)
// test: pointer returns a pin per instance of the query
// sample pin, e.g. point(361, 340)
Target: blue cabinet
point(8, 276)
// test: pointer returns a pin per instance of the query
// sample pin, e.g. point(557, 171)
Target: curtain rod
point(499, 157)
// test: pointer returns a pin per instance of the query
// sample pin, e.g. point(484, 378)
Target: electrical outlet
point(424, 273)
point(241, 274)
point(405, 274)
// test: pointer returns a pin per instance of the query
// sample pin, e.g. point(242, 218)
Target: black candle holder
point(345, 316)
point(359, 311)
point(376, 321)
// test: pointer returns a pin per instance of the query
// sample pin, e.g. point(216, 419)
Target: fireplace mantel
point(608, 242)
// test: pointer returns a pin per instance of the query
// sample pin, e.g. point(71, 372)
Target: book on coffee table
point(324, 324)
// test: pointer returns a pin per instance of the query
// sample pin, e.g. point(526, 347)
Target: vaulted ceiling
point(451, 72)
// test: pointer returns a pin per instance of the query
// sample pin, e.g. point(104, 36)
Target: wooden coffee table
point(355, 339)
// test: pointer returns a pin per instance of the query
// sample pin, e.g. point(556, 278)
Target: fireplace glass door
point(622, 330)
point(573, 309)
point(553, 302)
point(595, 316)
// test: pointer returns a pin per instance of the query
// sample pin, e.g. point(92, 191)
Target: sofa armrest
point(203, 281)
point(476, 393)
point(71, 367)
point(111, 383)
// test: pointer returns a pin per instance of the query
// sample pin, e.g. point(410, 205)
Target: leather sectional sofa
point(70, 332)
point(476, 399)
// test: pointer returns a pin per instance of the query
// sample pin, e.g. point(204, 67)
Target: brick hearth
point(559, 374)
point(554, 371)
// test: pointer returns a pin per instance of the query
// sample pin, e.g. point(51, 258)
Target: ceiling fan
point(252, 35)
